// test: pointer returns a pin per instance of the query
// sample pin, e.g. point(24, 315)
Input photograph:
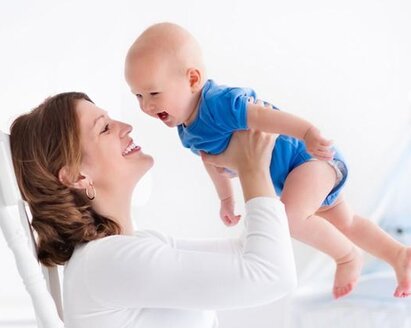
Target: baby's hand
point(227, 212)
point(317, 145)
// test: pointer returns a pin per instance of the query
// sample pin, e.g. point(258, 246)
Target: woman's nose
point(125, 129)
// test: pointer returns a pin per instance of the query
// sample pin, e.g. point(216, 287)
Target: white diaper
point(338, 167)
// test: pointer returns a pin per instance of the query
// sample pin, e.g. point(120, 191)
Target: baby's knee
point(296, 214)
point(296, 224)
point(344, 224)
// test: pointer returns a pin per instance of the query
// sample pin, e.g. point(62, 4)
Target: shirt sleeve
point(150, 271)
point(220, 245)
point(229, 108)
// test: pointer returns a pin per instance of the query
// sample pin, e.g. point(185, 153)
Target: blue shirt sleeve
point(222, 111)
point(229, 108)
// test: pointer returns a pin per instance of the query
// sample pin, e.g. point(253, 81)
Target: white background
point(344, 65)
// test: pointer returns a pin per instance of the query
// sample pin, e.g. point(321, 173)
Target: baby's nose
point(148, 107)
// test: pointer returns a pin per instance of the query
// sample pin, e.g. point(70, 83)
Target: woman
point(77, 169)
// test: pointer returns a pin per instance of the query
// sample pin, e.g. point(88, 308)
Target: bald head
point(166, 42)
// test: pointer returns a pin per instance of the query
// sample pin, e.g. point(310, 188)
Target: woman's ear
point(195, 77)
point(66, 178)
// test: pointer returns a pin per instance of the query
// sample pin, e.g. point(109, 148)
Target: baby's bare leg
point(375, 241)
point(305, 189)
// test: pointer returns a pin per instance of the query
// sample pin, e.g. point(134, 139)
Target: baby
point(165, 70)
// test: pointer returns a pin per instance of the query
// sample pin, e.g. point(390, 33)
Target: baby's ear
point(195, 78)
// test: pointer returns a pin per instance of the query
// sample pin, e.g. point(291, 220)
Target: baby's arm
point(276, 121)
point(224, 190)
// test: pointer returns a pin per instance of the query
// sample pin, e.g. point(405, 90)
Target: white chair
point(41, 283)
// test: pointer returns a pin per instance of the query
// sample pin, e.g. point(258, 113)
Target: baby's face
point(162, 91)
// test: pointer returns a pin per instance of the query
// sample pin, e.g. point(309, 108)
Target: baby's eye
point(139, 96)
point(106, 128)
point(154, 93)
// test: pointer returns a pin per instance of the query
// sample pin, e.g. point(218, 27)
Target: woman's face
point(110, 158)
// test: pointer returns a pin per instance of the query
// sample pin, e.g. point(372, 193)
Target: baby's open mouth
point(162, 116)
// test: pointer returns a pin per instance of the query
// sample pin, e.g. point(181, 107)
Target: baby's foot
point(403, 272)
point(347, 273)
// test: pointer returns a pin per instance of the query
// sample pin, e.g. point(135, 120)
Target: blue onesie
point(222, 111)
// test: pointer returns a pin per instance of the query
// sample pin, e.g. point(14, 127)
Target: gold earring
point(93, 195)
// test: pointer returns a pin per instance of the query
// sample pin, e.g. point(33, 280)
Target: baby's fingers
point(235, 220)
point(325, 142)
point(324, 149)
point(324, 155)
point(226, 220)
point(231, 220)
point(323, 158)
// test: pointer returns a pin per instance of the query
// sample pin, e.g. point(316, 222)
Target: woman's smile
point(131, 148)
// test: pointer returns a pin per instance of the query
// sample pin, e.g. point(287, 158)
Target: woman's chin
point(143, 162)
point(144, 166)
point(150, 161)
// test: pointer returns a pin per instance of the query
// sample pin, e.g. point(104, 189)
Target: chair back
point(41, 282)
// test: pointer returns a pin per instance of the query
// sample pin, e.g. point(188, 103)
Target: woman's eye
point(106, 128)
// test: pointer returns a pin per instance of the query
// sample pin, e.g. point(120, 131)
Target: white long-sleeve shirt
point(154, 281)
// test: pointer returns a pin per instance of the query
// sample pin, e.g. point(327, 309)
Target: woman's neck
point(117, 208)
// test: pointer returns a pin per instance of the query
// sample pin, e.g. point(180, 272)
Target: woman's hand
point(248, 154)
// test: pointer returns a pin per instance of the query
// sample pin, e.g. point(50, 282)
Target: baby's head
point(165, 70)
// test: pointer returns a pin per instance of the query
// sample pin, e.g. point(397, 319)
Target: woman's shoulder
point(112, 247)
point(139, 239)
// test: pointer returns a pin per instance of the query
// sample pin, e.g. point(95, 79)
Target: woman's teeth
point(130, 148)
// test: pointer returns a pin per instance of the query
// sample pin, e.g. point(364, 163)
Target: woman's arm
point(146, 271)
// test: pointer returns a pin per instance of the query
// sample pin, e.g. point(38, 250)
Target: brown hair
point(42, 142)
